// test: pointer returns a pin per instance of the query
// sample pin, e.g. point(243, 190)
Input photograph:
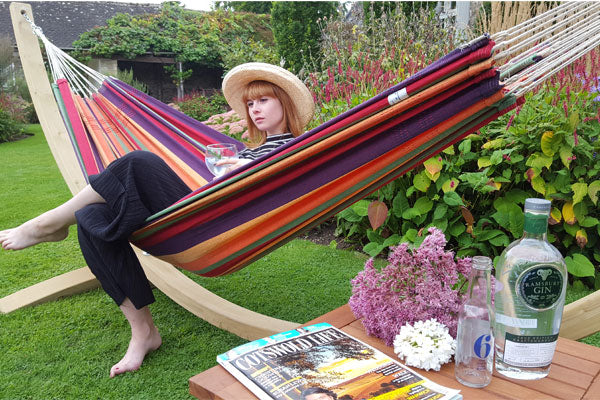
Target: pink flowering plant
point(418, 284)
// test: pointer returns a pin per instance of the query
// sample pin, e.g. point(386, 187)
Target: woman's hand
point(232, 163)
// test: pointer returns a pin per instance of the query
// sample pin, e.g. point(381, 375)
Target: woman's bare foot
point(139, 346)
point(31, 233)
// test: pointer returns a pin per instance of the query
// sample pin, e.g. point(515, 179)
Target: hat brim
point(239, 77)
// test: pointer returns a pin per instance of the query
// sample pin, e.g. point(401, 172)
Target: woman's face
point(267, 114)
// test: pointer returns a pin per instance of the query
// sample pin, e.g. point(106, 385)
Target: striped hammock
point(228, 223)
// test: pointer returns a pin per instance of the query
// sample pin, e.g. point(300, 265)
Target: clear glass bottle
point(474, 357)
point(531, 280)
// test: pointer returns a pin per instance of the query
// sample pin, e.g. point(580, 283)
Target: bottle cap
point(535, 204)
point(482, 263)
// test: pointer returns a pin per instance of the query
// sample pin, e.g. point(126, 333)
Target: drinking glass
point(216, 152)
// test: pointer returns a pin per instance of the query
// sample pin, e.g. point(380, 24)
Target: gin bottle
point(474, 355)
point(531, 280)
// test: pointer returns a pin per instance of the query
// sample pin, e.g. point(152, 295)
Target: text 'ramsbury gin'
point(531, 280)
point(474, 355)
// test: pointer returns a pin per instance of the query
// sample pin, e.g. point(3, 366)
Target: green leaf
point(374, 236)
point(496, 157)
point(433, 166)
point(440, 211)
point(580, 190)
point(580, 210)
point(410, 213)
point(392, 240)
point(453, 199)
point(465, 146)
point(493, 144)
point(573, 120)
point(421, 181)
point(449, 150)
point(457, 229)
point(441, 224)
point(565, 154)
point(539, 161)
point(549, 143)
point(349, 215)
point(579, 265)
point(538, 184)
point(483, 162)
point(410, 236)
point(400, 204)
point(593, 189)
point(450, 185)
point(373, 249)
point(423, 205)
point(361, 208)
point(500, 241)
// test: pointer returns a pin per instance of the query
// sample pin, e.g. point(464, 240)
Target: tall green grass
point(64, 349)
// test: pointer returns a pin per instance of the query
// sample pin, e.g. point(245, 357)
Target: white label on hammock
point(397, 96)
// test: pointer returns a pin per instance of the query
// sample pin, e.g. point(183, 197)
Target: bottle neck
point(535, 226)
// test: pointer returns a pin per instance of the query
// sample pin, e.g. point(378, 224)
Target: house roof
point(64, 21)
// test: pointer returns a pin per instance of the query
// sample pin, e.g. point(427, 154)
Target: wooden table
point(574, 373)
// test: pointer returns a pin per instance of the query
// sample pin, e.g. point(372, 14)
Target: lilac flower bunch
point(417, 285)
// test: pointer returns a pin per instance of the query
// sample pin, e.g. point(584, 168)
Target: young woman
point(277, 107)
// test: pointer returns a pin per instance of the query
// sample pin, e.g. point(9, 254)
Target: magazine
point(322, 362)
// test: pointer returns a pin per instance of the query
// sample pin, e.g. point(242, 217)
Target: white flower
point(425, 345)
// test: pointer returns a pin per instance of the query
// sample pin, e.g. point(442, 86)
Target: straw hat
point(240, 76)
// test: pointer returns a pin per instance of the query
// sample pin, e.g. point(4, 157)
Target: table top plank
point(593, 390)
point(575, 372)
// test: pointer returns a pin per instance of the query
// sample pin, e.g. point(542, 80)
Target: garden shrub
point(296, 30)
point(201, 107)
point(126, 75)
point(241, 51)
point(9, 127)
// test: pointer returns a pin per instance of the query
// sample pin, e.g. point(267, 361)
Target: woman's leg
point(144, 338)
point(51, 226)
point(134, 188)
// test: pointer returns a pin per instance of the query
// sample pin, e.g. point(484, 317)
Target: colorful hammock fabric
point(228, 223)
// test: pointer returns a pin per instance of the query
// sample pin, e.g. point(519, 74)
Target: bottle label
point(529, 351)
point(540, 286)
point(535, 223)
point(528, 323)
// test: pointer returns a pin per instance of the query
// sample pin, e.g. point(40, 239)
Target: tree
point(296, 29)
point(256, 7)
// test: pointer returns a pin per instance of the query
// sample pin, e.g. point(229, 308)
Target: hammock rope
point(229, 222)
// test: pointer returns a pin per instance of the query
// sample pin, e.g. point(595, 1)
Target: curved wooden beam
point(184, 291)
point(581, 318)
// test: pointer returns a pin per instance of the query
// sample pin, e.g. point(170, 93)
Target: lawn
point(64, 349)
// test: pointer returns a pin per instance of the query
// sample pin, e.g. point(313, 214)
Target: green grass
point(64, 349)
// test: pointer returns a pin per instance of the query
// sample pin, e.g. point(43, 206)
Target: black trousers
point(135, 186)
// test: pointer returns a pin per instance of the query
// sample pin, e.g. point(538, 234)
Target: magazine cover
point(321, 362)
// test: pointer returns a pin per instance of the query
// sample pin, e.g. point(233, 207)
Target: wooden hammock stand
point(580, 319)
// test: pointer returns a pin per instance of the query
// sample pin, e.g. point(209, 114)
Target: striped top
point(272, 142)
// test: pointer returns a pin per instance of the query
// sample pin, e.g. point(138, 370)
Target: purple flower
point(416, 285)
